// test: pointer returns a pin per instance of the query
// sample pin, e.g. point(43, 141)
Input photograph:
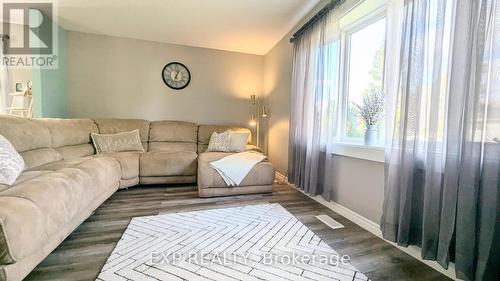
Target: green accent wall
point(49, 85)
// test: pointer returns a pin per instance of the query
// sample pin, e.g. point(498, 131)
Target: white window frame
point(343, 146)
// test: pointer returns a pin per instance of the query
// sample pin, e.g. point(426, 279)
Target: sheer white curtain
point(4, 80)
point(315, 94)
point(443, 155)
point(314, 102)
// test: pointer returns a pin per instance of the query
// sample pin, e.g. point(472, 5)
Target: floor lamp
point(259, 114)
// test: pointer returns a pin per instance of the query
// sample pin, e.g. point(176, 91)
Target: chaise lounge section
point(65, 181)
point(210, 183)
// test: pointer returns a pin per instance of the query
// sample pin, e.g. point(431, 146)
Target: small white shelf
point(17, 94)
point(17, 108)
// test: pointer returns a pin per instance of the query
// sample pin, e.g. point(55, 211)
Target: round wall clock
point(176, 75)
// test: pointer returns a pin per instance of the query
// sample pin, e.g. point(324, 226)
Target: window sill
point(371, 153)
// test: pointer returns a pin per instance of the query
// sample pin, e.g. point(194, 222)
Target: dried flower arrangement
point(372, 107)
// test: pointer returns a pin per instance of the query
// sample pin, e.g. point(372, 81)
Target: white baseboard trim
point(280, 177)
point(350, 215)
point(374, 228)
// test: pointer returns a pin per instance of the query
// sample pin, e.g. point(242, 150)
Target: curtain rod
point(315, 18)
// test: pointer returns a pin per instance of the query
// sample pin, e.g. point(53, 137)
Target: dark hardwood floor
point(83, 253)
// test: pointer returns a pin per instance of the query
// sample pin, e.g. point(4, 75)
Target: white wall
point(121, 78)
point(359, 184)
point(277, 89)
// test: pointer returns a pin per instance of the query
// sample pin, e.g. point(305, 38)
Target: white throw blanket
point(235, 167)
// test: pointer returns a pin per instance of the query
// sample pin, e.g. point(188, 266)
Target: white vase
point(371, 135)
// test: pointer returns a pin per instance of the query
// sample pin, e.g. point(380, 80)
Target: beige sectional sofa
point(65, 181)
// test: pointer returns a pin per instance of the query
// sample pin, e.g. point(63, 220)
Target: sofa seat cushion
point(129, 162)
point(61, 164)
point(26, 175)
point(38, 157)
point(35, 209)
point(105, 172)
point(261, 174)
point(172, 146)
point(160, 163)
point(96, 167)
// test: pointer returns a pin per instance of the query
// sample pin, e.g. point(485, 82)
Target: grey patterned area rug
point(255, 242)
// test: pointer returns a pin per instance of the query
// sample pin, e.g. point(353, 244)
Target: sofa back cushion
point(172, 136)
point(71, 137)
point(205, 132)
point(113, 126)
point(24, 134)
point(31, 139)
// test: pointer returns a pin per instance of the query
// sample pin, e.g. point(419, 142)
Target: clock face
point(176, 75)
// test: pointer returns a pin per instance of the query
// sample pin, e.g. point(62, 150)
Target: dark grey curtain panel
point(443, 153)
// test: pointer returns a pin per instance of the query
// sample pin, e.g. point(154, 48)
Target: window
point(364, 72)
point(360, 72)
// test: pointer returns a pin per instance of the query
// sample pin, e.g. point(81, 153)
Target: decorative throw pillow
point(238, 141)
point(11, 163)
point(220, 142)
point(125, 141)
